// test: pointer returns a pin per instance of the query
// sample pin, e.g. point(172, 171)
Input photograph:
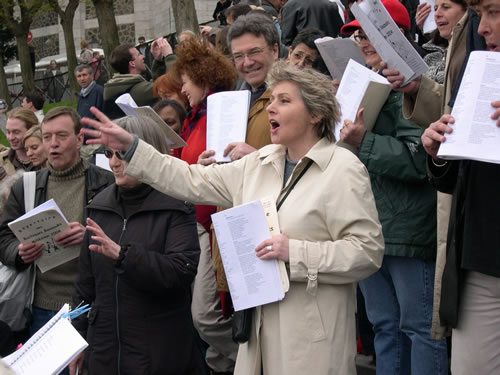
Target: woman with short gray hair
point(330, 234)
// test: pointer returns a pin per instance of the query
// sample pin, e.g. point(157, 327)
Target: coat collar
point(321, 153)
point(108, 200)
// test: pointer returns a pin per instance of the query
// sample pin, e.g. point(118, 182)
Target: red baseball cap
point(397, 11)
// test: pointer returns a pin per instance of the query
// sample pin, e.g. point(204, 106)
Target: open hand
point(107, 246)
point(106, 132)
point(423, 10)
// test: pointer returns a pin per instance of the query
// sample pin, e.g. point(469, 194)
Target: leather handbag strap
point(280, 203)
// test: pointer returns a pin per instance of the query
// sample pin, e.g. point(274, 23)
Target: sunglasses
point(109, 154)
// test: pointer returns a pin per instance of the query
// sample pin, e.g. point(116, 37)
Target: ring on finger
point(269, 247)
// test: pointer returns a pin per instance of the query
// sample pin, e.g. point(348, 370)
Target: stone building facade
point(148, 18)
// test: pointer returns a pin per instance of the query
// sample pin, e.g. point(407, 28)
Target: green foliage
point(64, 103)
point(3, 139)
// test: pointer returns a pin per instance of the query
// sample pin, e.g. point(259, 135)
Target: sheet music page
point(252, 282)
point(388, 40)
point(429, 23)
point(41, 225)
point(130, 108)
point(227, 118)
point(352, 90)
point(336, 54)
point(50, 349)
point(475, 135)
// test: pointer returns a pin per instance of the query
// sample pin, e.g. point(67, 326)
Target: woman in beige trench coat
point(330, 233)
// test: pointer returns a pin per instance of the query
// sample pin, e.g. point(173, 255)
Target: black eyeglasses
point(109, 154)
point(360, 36)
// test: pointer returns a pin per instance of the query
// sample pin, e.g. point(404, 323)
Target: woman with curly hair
point(203, 72)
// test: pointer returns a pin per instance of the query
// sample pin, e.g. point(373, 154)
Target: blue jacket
point(94, 97)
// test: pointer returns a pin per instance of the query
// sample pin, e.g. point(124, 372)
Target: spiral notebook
point(49, 350)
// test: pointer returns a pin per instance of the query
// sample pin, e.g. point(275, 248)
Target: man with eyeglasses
point(72, 183)
point(254, 44)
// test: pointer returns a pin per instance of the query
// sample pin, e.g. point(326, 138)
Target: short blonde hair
point(316, 91)
point(35, 131)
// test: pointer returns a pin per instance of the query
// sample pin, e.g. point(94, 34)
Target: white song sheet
point(252, 282)
point(130, 108)
point(361, 87)
point(336, 54)
point(227, 118)
point(475, 135)
point(388, 40)
point(50, 349)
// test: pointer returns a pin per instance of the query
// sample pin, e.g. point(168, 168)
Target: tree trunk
point(67, 25)
point(185, 16)
point(4, 87)
point(66, 18)
point(23, 54)
point(107, 26)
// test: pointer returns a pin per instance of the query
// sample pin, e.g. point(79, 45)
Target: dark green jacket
point(395, 158)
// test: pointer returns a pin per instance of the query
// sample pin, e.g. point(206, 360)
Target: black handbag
point(242, 320)
point(242, 323)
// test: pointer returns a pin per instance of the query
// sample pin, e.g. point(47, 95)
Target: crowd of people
point(385, 222)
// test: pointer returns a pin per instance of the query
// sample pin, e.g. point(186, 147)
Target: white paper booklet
point(429, 23)
point(475, 135)
point(337, 52)
point(360, 88)
point(388, 40)
point(50, 349)
point(227, 118)
point(40, 225)
point(252, 282)
point(130, 108)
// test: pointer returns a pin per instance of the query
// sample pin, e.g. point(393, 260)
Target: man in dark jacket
point(320, 14)
point(54, 82)
point(129, 64)
point(470, 293)
point(272, 7)
point(72, 183)
point(91, 93)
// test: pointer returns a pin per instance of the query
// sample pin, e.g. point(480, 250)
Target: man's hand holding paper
point(30, 252)
point(72, 236)
point(434, 135)
point(496, 114)
point(396, 79)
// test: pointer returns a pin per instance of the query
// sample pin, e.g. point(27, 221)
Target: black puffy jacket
point(140, 321)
